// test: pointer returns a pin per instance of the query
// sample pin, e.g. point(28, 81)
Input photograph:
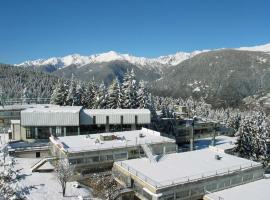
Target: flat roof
point(53, 109)
point(92, 142)
point(249, 191)
point(116, 111)
point(183, 167)
point(25, 106)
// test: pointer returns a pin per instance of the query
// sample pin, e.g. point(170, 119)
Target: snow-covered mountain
point(263, 48)
point(79, 60)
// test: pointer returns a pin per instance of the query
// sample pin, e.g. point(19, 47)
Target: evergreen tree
point(79, 94)
point(252, 138)
point(130, 89)
point(71, 97)
point(101, 97)
point(143, 96)
point(58, 95)
point(113, 95)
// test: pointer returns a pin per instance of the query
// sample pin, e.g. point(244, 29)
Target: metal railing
point(104, 146)
point(192, 178)
point(22, 101)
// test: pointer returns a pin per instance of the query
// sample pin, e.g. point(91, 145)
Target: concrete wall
point(31, 154)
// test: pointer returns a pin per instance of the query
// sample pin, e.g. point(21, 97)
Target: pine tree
point(89, 96)
point(71, 97)
point(58, 95)
point(143, 96)
point(66, 91)
point(101, 97)
point(130, 91)
point(252, 138)
point(77, 101)
point(113, 95)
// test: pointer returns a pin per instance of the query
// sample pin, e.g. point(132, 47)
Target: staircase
point(148, 153)
point(120, 192)
point(41, 162)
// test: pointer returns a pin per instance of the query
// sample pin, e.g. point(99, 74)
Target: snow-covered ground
point(44, 185)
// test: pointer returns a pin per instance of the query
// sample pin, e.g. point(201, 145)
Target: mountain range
point(222, 76)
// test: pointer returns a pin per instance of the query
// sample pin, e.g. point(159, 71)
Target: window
point(72, 161)
point(94, 119)
point(120, 155)
point(107, 120)
point(30, 133)
point(122, 119)
point(136, 119)
point(109, 157)
point(182, 194)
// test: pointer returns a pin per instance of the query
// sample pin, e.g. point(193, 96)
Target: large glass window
point(118, 156)
point(30, 133)
point(43, 132)
point(57, 131)
point(72, 130)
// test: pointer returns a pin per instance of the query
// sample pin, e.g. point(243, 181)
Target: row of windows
point(108, 119)
point(212, 186)
point(93, 159)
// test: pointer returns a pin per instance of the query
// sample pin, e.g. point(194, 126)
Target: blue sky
point(32, 29)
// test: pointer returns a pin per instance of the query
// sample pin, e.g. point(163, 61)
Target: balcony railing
point(192, 178)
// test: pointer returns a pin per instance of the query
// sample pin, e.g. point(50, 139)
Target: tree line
point(126, 94)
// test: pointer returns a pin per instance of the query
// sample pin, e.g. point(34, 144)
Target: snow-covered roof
point(249, 191)
point(25, 106)
point(53, 109)
point(179, 168)
point(82, 143)
point(116, 111)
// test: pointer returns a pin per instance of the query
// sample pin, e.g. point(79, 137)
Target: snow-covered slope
point(263, 48)
point(80, 60)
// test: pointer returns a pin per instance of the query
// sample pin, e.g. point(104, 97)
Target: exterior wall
point(60, 118)
point(16, 131)
point(31, 154)
point(187, 191)
point(6, 116)
point(92, 161)
point(143, 117)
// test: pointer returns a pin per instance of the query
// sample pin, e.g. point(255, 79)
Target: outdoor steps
point(148, 153)
point(41, 162)
point(120, 192)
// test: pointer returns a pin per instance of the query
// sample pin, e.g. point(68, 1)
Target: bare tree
point(64, 173)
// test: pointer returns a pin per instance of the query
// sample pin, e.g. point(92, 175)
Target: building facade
point(38, 124)
point(185, 176)
point(96, 152)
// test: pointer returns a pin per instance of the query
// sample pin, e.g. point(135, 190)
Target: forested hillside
point(18, 82)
